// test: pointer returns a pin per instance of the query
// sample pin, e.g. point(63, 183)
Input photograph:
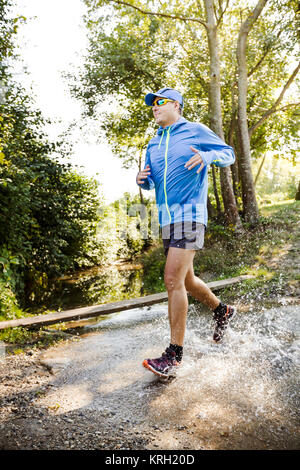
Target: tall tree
point(248, 191)
point(231, 212)
point(246, 128)
point(140, 46)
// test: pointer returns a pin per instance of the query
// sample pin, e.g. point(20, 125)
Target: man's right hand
point(143, 174)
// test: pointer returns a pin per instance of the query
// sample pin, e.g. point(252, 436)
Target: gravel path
point(92, 393)
point(27, 425)
point(87, 394)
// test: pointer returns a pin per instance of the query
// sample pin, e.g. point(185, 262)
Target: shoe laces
point(168, 354)
point(220, 319)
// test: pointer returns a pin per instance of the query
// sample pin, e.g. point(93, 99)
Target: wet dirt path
point(94, 394)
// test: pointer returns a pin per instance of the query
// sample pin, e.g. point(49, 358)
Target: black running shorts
point(187, 235)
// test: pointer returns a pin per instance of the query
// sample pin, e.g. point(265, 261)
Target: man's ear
point(177, 106)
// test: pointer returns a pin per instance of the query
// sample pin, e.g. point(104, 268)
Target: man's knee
point(173, 281)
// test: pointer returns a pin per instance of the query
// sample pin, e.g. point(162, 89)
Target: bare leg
point(199, 290)
point(177, 265)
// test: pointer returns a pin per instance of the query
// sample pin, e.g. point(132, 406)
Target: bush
point(8, 301)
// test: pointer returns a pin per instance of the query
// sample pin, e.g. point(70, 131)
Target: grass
point(19, 340)
point(258, 251)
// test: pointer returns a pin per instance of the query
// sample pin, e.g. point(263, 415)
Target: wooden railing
point(96, 310)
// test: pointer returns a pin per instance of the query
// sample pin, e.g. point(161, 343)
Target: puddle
point(250, 382)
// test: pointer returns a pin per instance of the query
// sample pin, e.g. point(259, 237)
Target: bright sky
point(53, 39)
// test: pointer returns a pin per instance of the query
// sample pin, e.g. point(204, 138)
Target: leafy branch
point(273, 108)
point(163, 15)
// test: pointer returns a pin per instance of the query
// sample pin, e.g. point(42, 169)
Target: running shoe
point(222, 320)
point(163, 366)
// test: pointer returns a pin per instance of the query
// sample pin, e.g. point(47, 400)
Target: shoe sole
point(160, 374)
point(229, 320)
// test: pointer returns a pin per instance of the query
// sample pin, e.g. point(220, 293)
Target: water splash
point(247, 386)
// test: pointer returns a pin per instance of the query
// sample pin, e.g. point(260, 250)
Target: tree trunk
point(260, 168)
point(210, 209)
point(250, 207)
point(231, 212)
point(297, 197)
point(235, 174)
point(216, 191)
point(140, 167)
point(235, 180)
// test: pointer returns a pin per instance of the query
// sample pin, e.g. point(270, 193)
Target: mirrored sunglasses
point(161, 101)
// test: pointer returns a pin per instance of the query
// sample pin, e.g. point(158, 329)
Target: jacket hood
point(176, 124)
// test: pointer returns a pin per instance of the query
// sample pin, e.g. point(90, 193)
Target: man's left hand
point(194, 161)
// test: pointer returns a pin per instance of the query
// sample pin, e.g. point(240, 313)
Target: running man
point(177, 161)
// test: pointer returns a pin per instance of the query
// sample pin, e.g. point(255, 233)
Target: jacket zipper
point(165, 174)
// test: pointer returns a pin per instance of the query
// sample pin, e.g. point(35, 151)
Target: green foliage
point(279, 175)
point(8, 29)
point(19, 339)
point(6, 263)
point(132, 52)
point(231, 256)
point(154, 264)
point(48, 212)
point(226, 255)
point(8, 302)
point(9, 309)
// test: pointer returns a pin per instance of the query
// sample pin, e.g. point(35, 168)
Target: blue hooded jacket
point(181, 194)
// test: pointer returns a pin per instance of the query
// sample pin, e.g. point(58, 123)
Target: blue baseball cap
point(169, 93)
